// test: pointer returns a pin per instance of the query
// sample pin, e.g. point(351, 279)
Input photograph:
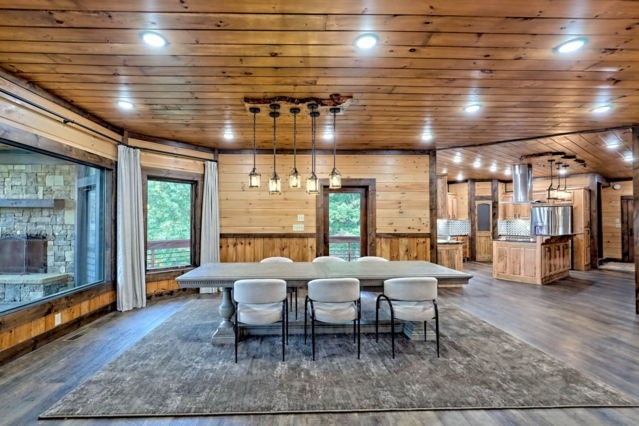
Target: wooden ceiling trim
point(614, 9)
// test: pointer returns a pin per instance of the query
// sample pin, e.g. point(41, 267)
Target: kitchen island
point(450, 253)
point(537, 260)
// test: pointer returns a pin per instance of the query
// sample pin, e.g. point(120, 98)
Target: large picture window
point(52, 226)
point(170, 223)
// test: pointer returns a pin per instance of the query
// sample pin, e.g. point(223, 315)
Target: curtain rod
point(66, 120)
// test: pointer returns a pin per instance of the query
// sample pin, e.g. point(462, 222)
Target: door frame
point(369, 237)
point(627, 235)
point(488, 202)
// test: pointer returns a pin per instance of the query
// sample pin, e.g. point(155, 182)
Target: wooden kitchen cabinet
point(540, 262)
point(451, 201)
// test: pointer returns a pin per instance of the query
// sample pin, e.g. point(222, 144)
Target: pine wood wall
point(255, 224)
point(611, 219)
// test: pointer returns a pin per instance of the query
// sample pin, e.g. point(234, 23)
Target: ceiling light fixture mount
point(472, 108)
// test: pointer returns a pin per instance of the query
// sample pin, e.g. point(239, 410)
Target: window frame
point(196, 181)
point(74, 155)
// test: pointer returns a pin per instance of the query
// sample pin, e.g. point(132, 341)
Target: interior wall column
point(635, 216)
point(472, 212)
point(432, 204)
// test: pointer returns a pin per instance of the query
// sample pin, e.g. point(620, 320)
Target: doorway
point(627, 229)
point(346, 221)
point(483, 234)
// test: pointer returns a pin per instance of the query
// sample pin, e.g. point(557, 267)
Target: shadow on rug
point(176, 371)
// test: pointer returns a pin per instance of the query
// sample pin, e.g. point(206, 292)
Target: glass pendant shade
point(294, 178)
point(254, 176)
point(274, 183)
point(312, 184)
point(334, 178)
point(254, 179)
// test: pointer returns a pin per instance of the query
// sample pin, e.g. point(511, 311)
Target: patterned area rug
point(176, 371)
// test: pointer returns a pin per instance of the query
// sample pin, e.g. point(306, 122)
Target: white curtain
point(131, 286)
point(210, 237)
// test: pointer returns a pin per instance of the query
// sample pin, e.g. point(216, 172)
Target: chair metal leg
point(425, 331)
point(393, 333)
point(377, 320)
point(235, 332)
point(359, 339)
point(313, 334)
point(354, 329)
point(305, 316)
point(295, 303)
point(284, 309)
point(437, 332)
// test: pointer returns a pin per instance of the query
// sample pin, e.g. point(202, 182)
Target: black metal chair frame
point(356, 324)
point(292, 291)
point(392, 312)
point(236, 326)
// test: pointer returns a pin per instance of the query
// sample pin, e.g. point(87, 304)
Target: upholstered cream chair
point(260, 302)
point(292, 291)
point(409, 299)
point(333, 300)
point(371, 259)
point(320, 259)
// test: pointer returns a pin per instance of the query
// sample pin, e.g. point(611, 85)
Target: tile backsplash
point(514, 227)
point(453, 227)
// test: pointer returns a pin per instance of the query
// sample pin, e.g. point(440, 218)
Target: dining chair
point(371, 259)
point(260, 302)
point(409, 299)
point(320, 259)
point(292, 291)
point(336, 301)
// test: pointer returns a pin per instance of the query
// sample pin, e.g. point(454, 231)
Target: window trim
point(197, 182)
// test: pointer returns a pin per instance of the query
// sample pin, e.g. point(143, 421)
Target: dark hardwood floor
point(587, 321)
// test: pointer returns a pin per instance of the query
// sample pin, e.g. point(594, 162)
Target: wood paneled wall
point(401, 185)
point(255, 224)
point(611, 219)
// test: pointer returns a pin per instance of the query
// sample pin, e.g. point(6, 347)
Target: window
point(52, 225)
point(170, 223)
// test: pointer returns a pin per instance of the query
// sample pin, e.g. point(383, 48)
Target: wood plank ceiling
point(409, 92)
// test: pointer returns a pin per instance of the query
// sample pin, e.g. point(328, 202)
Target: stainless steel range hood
point(522, 183)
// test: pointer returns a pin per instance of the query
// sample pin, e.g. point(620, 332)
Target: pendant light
point(274, 183)
point(551, 191)
point(254, 176)
point(334, 178)
point(312, 183)
point(294, 179)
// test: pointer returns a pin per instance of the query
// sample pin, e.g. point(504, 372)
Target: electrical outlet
point(57, 319)
point(299, 227)
point(300, 218)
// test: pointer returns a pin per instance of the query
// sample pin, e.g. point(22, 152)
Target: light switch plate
point(300, 218)
point(57, 319)
point(299, 227)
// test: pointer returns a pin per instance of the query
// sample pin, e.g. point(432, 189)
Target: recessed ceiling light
point(571, 45)
point(228, 134)
point(124, 104)
point(328, 135)
point(445, 170)
point(493, 167)
point(153, 39)
point(507, 171)
point(472, 108)
point(427, 136)
point(628, 156)
point(460, 176)
point(366, 41)
point(477, 163)
point(601, 109)
point(457, 158)
point(612, 142)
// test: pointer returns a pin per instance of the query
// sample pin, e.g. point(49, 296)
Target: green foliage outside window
point(343, 214)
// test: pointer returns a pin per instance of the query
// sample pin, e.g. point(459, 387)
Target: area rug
point(176, 371)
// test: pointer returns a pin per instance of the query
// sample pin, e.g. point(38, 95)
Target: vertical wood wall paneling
point(472, 211)
point(635, 194)
point(401, 199)
point(494, 194)
point(433, 191)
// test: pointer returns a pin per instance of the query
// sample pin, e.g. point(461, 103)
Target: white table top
point(299, 273)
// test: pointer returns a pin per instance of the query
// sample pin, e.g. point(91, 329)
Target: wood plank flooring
point(587, 321)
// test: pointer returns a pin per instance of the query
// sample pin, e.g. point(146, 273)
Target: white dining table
point(297, 274)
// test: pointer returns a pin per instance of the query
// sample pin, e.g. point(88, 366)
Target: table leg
point(224, 332)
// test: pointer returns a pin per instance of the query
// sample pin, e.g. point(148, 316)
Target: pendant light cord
point(313, 141)
point(274, 140)
point(254, 146)
point(294, 141)
point(334, 143)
